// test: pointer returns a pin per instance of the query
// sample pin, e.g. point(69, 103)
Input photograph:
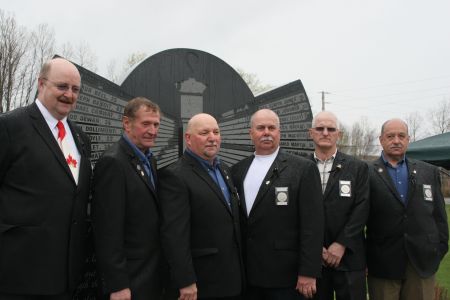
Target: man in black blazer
point(345, 187)
point(282, 216)
point(200, 228)
point(125, 209)
point(43, 199)
point(407, 231)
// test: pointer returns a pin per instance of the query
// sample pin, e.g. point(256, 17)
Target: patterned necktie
point(66, 149)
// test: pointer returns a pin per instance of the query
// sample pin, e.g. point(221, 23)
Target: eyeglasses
point(329, 129)
point(64, 87)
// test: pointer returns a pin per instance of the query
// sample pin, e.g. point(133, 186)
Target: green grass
point(443, 274)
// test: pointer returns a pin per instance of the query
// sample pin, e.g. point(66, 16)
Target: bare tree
point(80, 54)
point(111, 72)
point(253, 82)
point(132, 60)
point(415, 122)
point(343, 143)
point(40, 49)
point(440, 117)
point(13, 45)
point(361, 140)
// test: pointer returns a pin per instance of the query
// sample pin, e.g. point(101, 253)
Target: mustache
point(266, 138)
point(65, 100)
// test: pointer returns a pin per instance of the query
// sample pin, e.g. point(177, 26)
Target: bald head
point(397, 122)
point(325, 134)
point(59, 86)
point(328, 116)
point(203, 136)
point(264, 114)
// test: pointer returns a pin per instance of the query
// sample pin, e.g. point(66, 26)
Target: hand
point(124, 294)
point(188, 293)
point(335, 252)
point(324, 256)
point(306, 286)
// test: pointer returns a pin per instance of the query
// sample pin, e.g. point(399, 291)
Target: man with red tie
point(44, 188)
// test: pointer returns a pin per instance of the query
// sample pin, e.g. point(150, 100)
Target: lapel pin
point(142, 173)
point(138, 167)
point(380, 170)
point(267, 182)
point(414, 171)
point(338, 166)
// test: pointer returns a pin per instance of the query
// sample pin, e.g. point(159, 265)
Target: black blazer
point(396, 233)
point(282, 241)
point(43, 212)
point(126, 224)
point(346, 216)
point(201, 237)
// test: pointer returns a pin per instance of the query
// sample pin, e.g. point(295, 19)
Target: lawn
point(443, 274)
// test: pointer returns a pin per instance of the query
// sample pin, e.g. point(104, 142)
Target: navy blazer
point(126, 222)
point(282, 242)
point(43, 212)
point(417, 232)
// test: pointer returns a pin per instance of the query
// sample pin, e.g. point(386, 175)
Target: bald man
point(345, 188)
point(407, 231)
point(44, 187)
point(200, 218)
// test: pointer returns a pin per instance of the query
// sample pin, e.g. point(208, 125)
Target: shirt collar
point(332, 157)
point(387, 163)
point(144, 157)
point(202, 161)
point(51, 120)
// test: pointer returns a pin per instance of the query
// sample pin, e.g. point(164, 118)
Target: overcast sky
point(378, 59)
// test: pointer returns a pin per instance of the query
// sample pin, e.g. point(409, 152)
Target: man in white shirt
point(282, 216)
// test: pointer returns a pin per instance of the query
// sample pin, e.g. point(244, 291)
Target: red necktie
point(63, 143)
point(61, 130)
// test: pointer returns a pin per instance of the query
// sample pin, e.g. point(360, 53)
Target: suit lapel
point(44, 131)
point(382, 172)
point(335, 174)
point(274, 172)
point(241, 173)
point(201, 172)
point(412, 172)
point(137, 165)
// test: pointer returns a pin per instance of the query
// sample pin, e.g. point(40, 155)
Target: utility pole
point(323, 99)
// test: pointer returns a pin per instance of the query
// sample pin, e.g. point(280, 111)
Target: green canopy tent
point(434, 149)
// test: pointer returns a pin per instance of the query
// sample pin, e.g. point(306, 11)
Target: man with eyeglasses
point(345, 188)
point(45, 176)
point(407, 230)
point(282, 216)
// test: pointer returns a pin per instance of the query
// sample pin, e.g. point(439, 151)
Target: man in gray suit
point(407, 231)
